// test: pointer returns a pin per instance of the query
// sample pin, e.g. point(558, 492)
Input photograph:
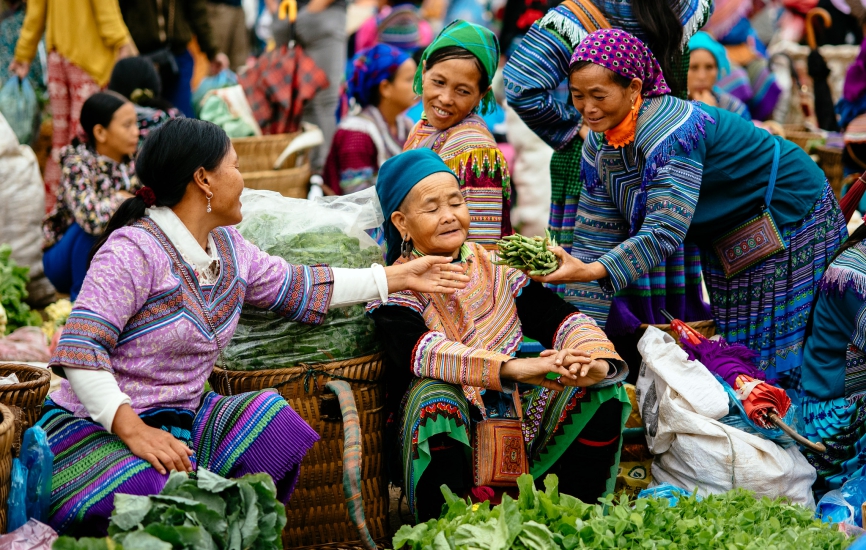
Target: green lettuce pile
point(208, 513)
point(264, 340)
point(547, 520)
point(13, 292)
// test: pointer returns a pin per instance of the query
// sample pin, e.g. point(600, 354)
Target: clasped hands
point(571, 366)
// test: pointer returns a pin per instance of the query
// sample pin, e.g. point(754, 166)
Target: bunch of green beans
point(528, 254)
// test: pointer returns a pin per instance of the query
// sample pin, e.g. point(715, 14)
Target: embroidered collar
point(624, 132)
point(204, 263)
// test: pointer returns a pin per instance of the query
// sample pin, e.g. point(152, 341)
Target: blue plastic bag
point(223, 79)
point(666, 490)
point(19, 107)
point(37, 457)
point(17, 511)
point(833, 508)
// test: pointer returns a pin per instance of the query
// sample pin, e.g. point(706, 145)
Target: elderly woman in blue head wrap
point(708, 64)
point(451, 359)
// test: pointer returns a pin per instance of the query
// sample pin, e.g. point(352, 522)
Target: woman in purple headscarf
point(658, 170)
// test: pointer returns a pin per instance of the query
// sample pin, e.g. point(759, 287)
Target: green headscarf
point(476, 39)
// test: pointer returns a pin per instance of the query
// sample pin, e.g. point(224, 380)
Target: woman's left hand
point(589, 371)
point(428, 274)
point(571, 270)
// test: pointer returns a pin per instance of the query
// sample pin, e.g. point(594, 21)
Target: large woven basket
point(802, 136)
point(317, 513)
point(25, 398)
point(7, 434)
point(831, 164)
point(706, 328)
point(256, 158)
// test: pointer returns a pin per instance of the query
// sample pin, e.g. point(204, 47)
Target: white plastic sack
point(680, 403)
point(22, 206)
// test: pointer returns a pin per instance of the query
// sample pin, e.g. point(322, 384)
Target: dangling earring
point(209, 197)
point(634, 110)
point(406, 247)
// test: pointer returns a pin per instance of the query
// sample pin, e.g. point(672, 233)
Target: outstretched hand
point(428, 274)
point(571, 270)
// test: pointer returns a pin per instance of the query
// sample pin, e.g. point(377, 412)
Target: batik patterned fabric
point(471, 334)
point(88, 190)
point(625, 55)
point(136, 313)
point(232, 436)
point(471, 153)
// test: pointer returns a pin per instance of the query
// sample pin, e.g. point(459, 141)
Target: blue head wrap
point(369, 68)
point(397, 176)
point(703, 41)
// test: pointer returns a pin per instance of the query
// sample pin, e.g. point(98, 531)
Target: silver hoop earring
point(209, 197)
point(406, 248)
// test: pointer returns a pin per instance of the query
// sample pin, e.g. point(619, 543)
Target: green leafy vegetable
point(547, 520)
point(13, 292)
point(265, 340)
point(208, 513)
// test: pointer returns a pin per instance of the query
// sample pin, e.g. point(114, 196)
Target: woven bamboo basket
point(256, 158)
point(831, 164)
point(801, 136)
point(317, 513)
point(24, 399)
point(7, 434)
point(706, 328)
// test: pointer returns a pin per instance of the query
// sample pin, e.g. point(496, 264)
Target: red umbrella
point(761, 400)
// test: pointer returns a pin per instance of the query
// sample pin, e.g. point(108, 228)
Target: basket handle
point(311, 137)
point(352, 459)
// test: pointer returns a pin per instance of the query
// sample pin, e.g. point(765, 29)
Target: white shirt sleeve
point(98, 392)
point(359, 286)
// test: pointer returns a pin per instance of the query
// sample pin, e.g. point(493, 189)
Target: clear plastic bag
point(223, 79)
point(328, 230)
point(19, 107)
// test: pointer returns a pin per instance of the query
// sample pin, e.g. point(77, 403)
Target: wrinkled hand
point(706, 97)
point(535, 370)
point(220, 62)
point(428, 274)
point(158, 447)
point(571, 270)
point(588, 371)
point(20, 69)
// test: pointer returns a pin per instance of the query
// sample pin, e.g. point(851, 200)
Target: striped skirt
point(841, 425)
point(766, 307)
point(552, 423)
point(231, 436)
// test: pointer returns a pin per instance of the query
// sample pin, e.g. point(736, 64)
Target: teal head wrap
point(703, 41)
point(397, 176)
point(477, 40)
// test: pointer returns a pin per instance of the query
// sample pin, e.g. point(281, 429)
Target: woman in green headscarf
point(453, 81)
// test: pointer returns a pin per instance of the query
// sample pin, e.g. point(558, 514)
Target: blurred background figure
point(136, 79)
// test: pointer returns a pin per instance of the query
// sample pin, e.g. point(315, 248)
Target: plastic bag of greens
point(327, 230)
point(19, 107)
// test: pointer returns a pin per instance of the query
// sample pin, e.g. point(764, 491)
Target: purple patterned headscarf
point(624, 54)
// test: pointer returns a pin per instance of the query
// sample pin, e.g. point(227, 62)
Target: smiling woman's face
point(434, 215)
point(602, 102)
point(450, 91)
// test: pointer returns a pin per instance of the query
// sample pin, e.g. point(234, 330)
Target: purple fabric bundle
point(726, 360)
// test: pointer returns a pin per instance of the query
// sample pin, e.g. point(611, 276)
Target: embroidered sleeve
point(435, 356)
point(579, 331)
point(670, 202)
point(537, 69)
point(115, 288)
point(297, 292)
point(352, 162)
point(90, 205)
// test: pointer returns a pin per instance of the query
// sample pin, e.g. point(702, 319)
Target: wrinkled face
point(451, 91)
point(703, 71)
point(434, 215)
point(120, 138)
point(399, 93)
point(602, 103)
point(226, 184)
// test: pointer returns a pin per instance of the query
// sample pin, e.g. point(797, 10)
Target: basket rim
point(335, 365)
point(264, 137)
point(694, 324)
point(8, 420)
point(44, 377)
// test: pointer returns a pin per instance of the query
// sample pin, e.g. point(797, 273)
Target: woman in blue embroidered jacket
point(533, 77)
point(658, 170)
point(834, 367)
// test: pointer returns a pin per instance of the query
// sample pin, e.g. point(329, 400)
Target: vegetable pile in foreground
point(265, 340)
point(210, 513)
point(528, 254)
point(547, 520)
point(13, 292)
